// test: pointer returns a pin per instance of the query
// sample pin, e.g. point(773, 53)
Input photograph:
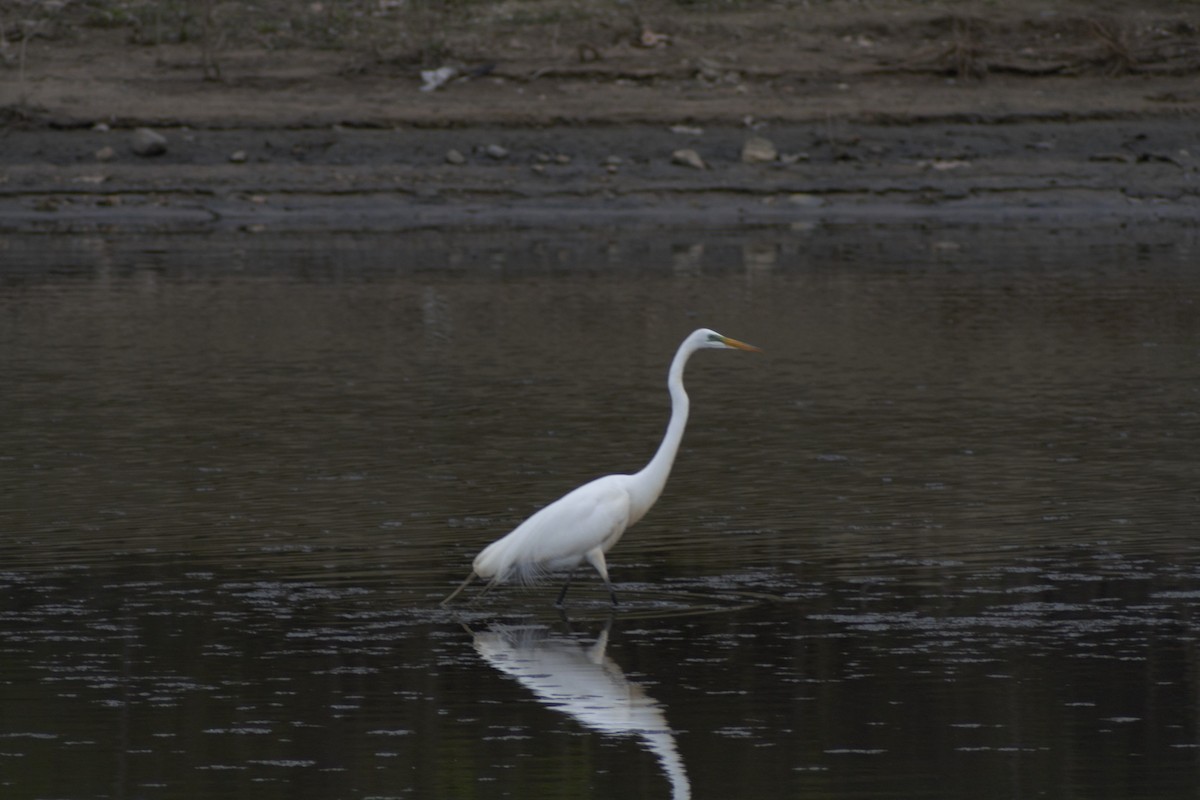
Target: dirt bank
point(890, 110)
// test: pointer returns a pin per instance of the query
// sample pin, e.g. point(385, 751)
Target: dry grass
point(426, 32)
point(1117, 55)
point(278, 24)
point(976, 39)
point(964, 56)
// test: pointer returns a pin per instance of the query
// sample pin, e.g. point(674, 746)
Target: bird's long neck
point(652, 478)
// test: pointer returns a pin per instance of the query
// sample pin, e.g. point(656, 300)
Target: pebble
point(758, 150)
point(455, 157)
point(496, 151)
point(106, 153)
point(148, 143)
point(688, 158)
point(806, 200)
point(434, 79)
point(708, 69)
point(238, 157)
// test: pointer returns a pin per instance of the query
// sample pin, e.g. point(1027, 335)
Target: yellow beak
point(740, 345)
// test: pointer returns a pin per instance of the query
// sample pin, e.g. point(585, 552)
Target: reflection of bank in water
point(586, 684)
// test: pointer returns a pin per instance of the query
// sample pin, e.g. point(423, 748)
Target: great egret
point(585, 683)
point(584, 524)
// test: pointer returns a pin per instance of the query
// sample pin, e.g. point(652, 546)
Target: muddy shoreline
point(344, 179)
point(872, 119)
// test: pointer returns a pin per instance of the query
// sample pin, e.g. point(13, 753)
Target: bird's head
point(706, 338)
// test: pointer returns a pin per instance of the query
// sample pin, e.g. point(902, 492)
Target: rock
point(806, 200)
point(688, 158)
point(106, 153)
point(148, 143)
point(758, 150)
point(944, 164)
point(238, 157)
point(708, 69)
point(649, 38)
point(434, 79)
point(455, 157)
point(496, 151)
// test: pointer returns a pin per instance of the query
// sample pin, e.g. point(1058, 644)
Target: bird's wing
point(582, 520)
point(558, 536)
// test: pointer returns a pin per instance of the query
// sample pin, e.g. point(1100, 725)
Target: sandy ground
point(873, 112)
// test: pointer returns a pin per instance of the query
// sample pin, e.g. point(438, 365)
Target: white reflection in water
point(586, 684)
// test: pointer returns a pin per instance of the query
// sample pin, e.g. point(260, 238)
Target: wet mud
point(898, 112)
point(351, 180)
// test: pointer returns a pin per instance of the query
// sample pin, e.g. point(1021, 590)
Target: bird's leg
point(595, 557)
point(464, 585)
point(493, 582)
point(611, 592)
point(567, 585)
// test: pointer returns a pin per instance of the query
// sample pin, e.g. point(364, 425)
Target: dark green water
point(939, 540)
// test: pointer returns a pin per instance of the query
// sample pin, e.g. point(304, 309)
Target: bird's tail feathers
point(528, 574)
point(498, 563)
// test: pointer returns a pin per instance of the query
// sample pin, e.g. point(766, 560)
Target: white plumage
point(585, 523)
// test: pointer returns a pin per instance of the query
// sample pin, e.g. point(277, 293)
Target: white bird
point(587, 685)
point(584, 524)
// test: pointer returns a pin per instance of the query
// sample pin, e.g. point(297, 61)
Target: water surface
point(938, 539)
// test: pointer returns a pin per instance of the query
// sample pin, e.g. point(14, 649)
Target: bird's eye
point(712, 337)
